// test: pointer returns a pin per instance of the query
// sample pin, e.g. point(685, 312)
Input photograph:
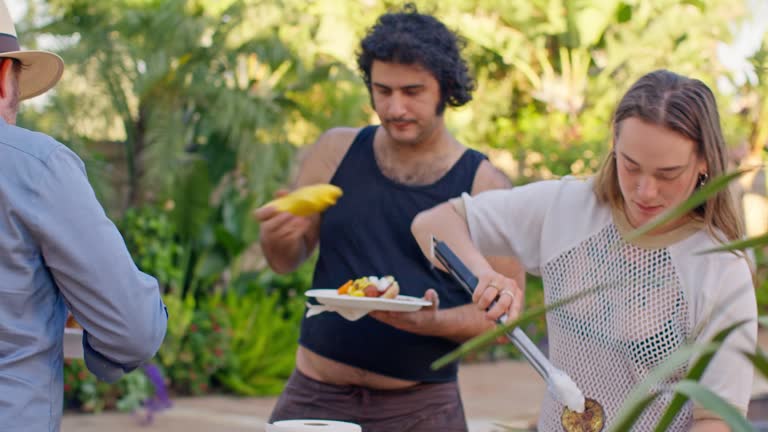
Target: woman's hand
point(507, 295)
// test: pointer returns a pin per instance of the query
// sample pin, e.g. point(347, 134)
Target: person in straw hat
point(59, 252)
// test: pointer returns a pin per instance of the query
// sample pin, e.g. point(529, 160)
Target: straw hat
point(41, 69)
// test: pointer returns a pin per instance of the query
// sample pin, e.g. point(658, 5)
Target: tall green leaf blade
point(637, 398)
point(763, 321)
point(696, 372)
point(681, 357)
point(752, 242)
point(760, 361)
point(698, 198)
point(714, 403)
point(490, 336)
point(626, 420)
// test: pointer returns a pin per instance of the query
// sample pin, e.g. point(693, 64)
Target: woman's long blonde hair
point(688, 107)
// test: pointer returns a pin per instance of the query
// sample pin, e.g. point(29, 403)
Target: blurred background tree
point(230, 89)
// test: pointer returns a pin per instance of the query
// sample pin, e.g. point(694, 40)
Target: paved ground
point(506, 392)
point(502, 391)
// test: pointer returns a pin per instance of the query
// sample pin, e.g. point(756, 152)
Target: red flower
point(67, 387)
point(82, 375)
point(192, 328)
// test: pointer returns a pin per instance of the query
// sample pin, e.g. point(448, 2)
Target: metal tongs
point(466, 279)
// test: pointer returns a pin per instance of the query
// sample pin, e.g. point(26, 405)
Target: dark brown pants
point(422, 408)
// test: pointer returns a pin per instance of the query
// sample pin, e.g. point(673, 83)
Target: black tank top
point(368, 233)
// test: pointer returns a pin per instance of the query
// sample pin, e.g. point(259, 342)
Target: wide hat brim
point(41, 70)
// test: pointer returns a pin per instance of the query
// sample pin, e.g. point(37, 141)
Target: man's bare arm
point(463, 322)
point(288, 240)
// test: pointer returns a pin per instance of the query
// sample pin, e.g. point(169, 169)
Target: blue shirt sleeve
point(119, 307)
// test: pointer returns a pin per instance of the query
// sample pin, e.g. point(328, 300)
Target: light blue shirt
point(59, 250)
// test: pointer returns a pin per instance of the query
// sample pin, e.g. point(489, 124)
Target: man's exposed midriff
point(330, 371)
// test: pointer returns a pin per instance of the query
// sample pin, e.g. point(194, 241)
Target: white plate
point(312, 425)
point(403, 303)
point(73, 343)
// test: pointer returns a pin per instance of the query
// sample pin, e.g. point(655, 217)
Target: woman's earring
point(703, 177)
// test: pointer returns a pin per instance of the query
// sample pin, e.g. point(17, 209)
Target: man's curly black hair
point(409, 37)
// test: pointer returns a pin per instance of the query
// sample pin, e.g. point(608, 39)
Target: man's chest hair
point(416, 173)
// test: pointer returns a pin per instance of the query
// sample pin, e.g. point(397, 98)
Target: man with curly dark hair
point(375, 371)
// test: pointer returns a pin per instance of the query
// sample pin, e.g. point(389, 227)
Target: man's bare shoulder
point(489, 177)
point(333, 143)
point(320, 160)
point(338, 137)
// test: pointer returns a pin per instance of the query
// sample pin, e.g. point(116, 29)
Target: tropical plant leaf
point(263, 341)
point(481, 341)
point(626, 420)
point(698, 198)
point(697, 370)
point(628, 413)
point(763, 321)
point(695, 373)
point(752, 242)
point(714, 403)
point(638, 401)
point(193, 189)
point(760, 361)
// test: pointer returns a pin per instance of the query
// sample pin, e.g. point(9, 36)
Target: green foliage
point(712, 402)
point(215, 232)
point(83, 392)
point(150, 236)
point(285, 285)
point(264, 340)
point(214, 87)
point(685, 389)
point(182, 312)
point(136, 389)
point(695, 372)
point(550, 72)
point(761, 292)
point(192, 243)
point(200, 352)
point(197, 246)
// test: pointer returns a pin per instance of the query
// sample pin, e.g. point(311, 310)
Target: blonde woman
point(659, 293)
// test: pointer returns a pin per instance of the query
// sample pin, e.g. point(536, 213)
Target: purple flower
point(160, 400)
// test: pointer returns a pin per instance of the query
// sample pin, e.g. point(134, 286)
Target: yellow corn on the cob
point(308, 200)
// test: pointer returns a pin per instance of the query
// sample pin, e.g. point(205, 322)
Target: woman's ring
point(509, 293)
